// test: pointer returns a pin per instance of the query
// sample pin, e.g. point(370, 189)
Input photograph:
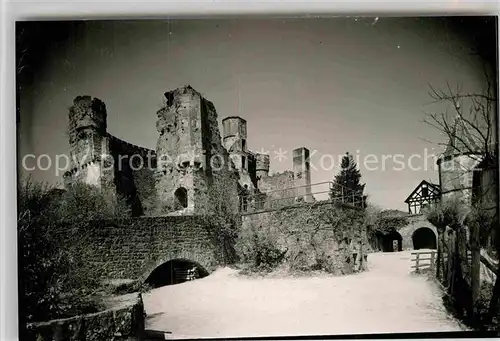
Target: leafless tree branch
point(477, 120)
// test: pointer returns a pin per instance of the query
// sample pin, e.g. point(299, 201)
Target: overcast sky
point(331, 85)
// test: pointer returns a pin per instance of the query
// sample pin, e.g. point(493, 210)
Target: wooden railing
point(422, 263)
point(321, 191)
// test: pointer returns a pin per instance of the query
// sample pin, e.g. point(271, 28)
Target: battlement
point(80, 167)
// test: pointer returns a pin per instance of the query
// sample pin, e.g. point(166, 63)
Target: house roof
point(423, 182)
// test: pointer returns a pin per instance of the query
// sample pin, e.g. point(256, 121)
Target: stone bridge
point(134, 248)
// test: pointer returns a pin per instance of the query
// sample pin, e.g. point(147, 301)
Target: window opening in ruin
point(169, 97)
point(243, 162)
point(244, 198)
point(243, 144)
point(181, 197)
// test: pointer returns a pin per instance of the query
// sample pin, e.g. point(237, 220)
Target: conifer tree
point(347, 185)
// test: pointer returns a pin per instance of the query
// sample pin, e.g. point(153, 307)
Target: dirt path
point(385, 299)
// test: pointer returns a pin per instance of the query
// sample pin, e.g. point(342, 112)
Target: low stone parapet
point(123, 321)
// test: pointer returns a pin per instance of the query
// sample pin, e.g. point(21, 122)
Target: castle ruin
point(190, 154)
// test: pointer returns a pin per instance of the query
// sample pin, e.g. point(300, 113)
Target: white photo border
point(13, 11)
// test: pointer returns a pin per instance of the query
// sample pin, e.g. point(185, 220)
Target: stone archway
point(424, 238)
point(175, 271)
point(392, 242)
point(415, 222)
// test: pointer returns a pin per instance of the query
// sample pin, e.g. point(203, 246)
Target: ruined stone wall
point(252, 168)
point(87, 117)
point(277, 187)
point(120, 168)
point(189, 156)
point(133, 248)
point(235, 136)
point(219, 168)
point(87, 143)
point(133, 173)
point(179, 149)
point(313, 236)
point(124, 322)
point(189, 151)
point(302, 173)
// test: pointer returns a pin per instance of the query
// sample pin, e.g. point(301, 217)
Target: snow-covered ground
point(386, 298)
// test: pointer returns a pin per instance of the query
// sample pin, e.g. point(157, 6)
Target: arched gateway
point(424, 238)
point(175, 271)
point(419, 233)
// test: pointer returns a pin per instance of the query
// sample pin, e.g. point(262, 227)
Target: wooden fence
point(424, 260)
point(428, 260)
point(457, 265)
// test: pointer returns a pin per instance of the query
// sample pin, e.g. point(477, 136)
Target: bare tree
point(476, 112)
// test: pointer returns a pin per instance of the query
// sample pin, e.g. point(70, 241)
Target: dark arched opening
point(424, 238)
point(174, 272)
point(181, 197)
point(391, 242)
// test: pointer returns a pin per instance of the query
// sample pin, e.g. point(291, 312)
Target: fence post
point(417, 262)
point(440, 273)
point(433, 254)
point(475, 264)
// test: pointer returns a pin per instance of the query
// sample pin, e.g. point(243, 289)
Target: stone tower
point(456, 165)
point(88, 143)
point(234, 130)
point(261, 165)
point(189, 151)
point(302, 173)
point(179, 150)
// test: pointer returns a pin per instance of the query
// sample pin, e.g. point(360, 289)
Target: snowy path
point(385, 299)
